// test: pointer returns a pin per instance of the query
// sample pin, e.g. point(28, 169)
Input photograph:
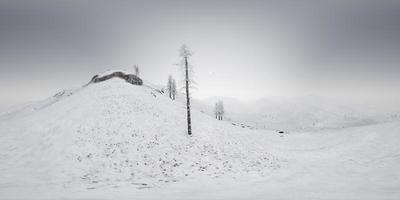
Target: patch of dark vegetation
point(130, 78)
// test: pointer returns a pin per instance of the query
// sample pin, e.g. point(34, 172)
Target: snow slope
point(354, 164)
point(113, 140)
point(113, 133)
point(308, 113)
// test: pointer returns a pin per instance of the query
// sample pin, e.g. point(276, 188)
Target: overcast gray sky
point(243, 49)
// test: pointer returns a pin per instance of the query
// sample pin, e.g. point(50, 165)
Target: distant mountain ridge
point(297, 114)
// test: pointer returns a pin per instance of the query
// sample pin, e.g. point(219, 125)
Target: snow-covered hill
point(113, 133)
point(114, 140)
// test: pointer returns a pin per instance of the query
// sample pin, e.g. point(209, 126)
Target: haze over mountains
point(295, 100)
point(301, 113)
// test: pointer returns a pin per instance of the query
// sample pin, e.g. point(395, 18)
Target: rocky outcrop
point(130, 78)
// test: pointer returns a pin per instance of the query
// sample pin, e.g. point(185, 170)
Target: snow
point(307, 113)
point(110, 71)
point(113, 140)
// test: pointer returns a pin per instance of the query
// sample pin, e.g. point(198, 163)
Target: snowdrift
point(112, 133)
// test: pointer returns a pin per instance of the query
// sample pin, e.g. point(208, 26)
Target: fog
point(248, 50)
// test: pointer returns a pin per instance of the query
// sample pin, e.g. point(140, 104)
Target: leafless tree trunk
point(219, 110)
point(169, 86)
point(189, 121)
point(173, 89)
point(185, 53)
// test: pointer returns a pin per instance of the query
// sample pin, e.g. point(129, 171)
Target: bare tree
point(173, 89)
point(169, 86)
point(185, 53)
point(219, 110)
point(216, 110)
point(136, 68)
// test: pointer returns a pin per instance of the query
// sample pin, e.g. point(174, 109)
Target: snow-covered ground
point(113, 140)
point(306, 113)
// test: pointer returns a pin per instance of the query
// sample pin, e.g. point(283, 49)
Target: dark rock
point(130, 78)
